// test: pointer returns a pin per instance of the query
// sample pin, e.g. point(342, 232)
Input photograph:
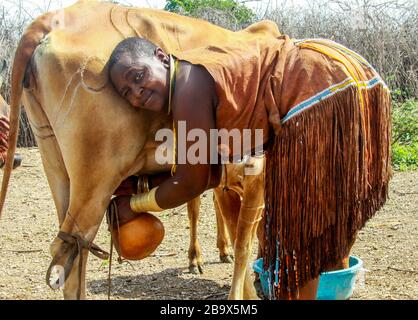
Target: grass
point(405, 135)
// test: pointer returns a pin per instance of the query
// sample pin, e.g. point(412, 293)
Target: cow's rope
point(109, 274)
point(111, 216)
point(80, 71)
point(256, 219)
point(76, 245)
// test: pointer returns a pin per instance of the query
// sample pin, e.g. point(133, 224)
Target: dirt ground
point(388, 245)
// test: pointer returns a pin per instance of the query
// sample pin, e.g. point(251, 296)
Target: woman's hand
point(125, 214)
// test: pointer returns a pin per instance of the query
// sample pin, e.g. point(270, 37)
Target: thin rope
point(58, 112)
point(75, 221)
point(109, 279)
point(111, 214)
point(83, 69)
point(255, 220)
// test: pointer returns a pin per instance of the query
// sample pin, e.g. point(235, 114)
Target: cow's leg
point(249, 216)
point(195, 252)
point(56, 174)
point(229, 203)
point(51, 156)
point(242, 285)
point(83, 219)
point(75, 280)
point(260, 237)
point(250, 291)
point(90, 193)
point(221, 235)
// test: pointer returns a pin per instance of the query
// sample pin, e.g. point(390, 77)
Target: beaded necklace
point(173, 72)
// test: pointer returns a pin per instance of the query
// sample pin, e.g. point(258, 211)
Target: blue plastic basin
point(333, 285)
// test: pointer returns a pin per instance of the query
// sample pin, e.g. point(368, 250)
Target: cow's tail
point(29, 41)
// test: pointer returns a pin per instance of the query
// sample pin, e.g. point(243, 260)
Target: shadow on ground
point(168, 284)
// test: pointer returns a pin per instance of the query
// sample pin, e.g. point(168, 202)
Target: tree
point(238, 15)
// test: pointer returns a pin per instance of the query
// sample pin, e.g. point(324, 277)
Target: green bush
point(405, 135)
point(405, 122)
point(238, 12)
point(405, 157)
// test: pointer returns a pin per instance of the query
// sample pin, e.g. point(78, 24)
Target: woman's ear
point(162, 56)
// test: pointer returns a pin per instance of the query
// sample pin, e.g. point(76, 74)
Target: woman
point(324, 114)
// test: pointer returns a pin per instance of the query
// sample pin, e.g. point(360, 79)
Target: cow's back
point(72, 77)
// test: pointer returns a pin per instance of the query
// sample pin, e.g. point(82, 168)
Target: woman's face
point(143, 81)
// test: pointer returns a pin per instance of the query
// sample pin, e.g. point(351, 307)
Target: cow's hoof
point(196, 269)
point(226, 259)
point(17, 161)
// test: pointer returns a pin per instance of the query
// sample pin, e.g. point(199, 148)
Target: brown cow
point(239, 200)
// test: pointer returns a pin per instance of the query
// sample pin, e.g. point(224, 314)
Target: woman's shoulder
point(190, 73)
point(195, 81)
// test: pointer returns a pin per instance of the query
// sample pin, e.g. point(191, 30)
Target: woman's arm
point(193, 104)
point(156, 179)
point(130, 186)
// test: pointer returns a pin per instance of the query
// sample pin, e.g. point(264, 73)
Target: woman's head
point(139, 71)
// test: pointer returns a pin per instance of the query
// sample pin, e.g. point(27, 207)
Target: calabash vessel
point(139, 237)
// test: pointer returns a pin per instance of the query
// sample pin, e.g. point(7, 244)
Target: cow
point(222, 237)
point(238, 202)
point(90, 140)
point(4, 122)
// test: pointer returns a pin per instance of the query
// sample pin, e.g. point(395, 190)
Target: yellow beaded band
point(145, 202)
